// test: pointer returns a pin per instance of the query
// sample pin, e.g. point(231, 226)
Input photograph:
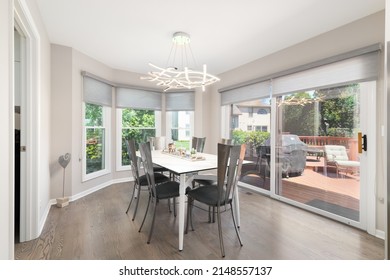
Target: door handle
point(362, 142)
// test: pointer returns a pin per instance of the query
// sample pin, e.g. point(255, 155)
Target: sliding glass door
point(310, 134)
point(251, 124)
point(320, 147)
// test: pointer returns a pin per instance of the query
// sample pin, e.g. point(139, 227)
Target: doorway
point(20, 129)
point(321, 151)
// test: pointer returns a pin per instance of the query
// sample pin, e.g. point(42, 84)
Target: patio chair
point(336, 156)
point(221, 195)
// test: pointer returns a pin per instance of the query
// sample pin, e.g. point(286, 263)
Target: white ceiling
point(128, 34)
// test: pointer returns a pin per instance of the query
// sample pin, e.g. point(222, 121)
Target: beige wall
point(61, 116)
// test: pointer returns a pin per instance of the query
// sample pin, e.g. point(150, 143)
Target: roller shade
point(355, 69)
point(180, 101)
point(354, 66)
point(96, 92)
point(246, 93)
point(138, 99)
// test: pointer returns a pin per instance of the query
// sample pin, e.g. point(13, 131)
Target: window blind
point(354, 66)
point(180, 101)
point(355, 69)
point(246, 93)
point(96, 92)
point(138, 99)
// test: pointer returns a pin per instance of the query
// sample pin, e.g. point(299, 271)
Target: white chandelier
point(172, 77)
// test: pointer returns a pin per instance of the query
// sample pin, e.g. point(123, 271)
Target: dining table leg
point(181, 210)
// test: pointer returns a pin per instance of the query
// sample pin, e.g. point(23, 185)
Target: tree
point(335, 115)
point(298, 116)
point(138, 125)
point(339, 111)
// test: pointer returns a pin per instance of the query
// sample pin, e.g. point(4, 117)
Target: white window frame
point(169, 124)
point(119, 166)
point(107, 145)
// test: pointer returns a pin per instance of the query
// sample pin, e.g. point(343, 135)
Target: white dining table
point(185, 168)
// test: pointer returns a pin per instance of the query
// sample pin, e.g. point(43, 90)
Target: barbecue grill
point(291, 154)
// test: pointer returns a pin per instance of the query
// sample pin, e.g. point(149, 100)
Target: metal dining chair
point(158, 143)
point(166, 190)
point(230, 159)
point(198, 143)
point(139, 180)
point(208, 179)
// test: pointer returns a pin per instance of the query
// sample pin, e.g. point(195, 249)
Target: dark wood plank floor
point(96, 227)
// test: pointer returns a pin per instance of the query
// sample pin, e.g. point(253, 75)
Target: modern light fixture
point(182, 76)
point(302, 101)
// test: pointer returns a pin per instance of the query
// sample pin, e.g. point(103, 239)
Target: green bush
point(256, 138)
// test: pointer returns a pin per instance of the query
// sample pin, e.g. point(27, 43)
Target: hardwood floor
point(96, 227)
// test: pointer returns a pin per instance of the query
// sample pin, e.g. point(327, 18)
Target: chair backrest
point(335, 152)
point(131, 151)
point(157, 143)
point(146, 156)
point(227, 141)
point(230, 159)
point(198, 143)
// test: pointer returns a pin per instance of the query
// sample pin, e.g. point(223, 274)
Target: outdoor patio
point(339, 195)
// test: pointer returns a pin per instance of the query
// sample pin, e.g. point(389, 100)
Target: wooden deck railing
point(318, 141)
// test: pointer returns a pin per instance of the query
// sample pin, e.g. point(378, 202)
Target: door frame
point(29, 215)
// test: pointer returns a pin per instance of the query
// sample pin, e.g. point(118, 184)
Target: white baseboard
point(99, 187)
point(380, 234)
point(43, 219)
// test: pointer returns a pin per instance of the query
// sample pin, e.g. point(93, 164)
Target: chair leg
point(235, 225)
point(146, 212)
point(132, 197)
point(153, 219)
point(174, 206)
point(211, 214)
point(136, 204)
point(190, 202)
point(220, 231)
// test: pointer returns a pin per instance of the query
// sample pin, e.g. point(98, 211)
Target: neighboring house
point(253, 116)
